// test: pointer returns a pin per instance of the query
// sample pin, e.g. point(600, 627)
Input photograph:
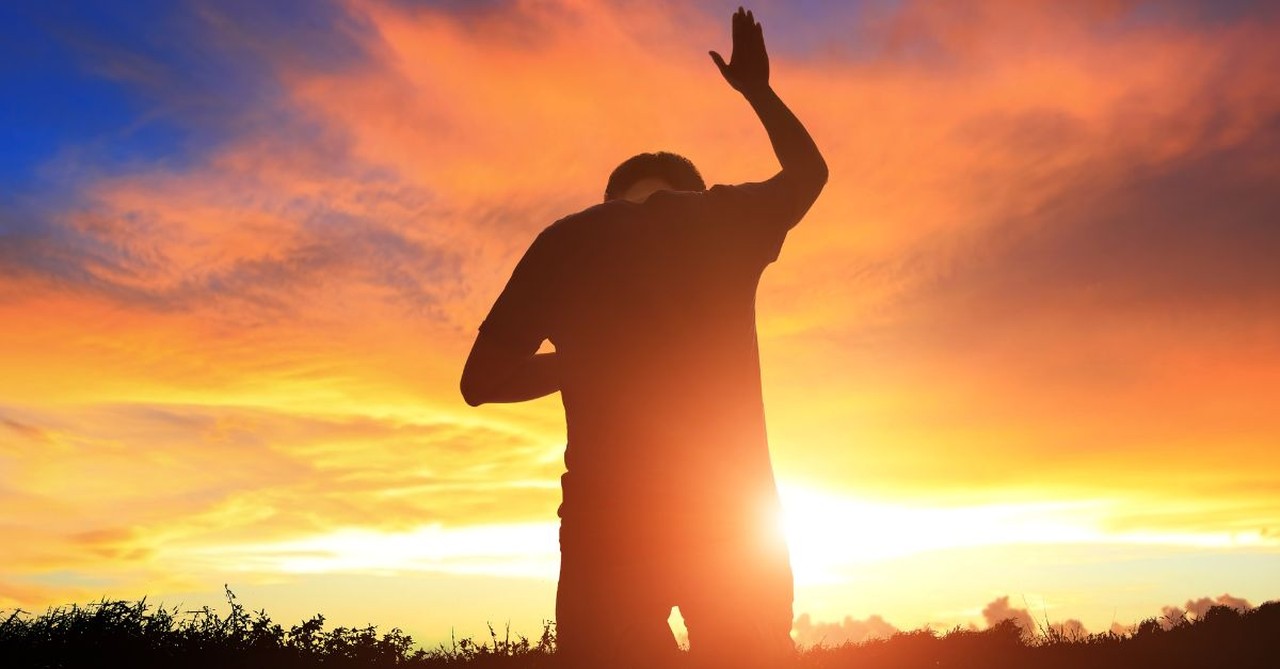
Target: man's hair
point(670, 167)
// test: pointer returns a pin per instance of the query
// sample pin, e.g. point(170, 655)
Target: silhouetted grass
point(141, 636)
point(1224, 637)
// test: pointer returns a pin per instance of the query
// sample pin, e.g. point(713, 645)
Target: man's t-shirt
point(651, 309)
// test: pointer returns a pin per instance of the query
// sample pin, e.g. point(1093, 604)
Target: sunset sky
point(1026, 345)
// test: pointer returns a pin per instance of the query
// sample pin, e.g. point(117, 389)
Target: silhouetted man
point(649, 299)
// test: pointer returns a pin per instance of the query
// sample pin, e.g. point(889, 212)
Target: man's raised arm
point(748, 72)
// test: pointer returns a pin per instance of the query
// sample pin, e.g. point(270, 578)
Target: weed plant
point(141, 636)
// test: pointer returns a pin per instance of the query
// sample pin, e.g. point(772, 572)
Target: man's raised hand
point(748, 66)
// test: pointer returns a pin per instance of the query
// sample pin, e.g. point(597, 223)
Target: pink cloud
point(808, 633)
point(1198, 607)
point(998, 610)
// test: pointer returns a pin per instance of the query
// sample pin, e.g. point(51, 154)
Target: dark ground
point(140, 636)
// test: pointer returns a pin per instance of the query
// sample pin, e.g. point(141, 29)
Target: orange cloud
point(1043, 269)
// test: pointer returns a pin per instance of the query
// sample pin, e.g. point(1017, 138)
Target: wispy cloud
point(145, 488)
point(1042, 271)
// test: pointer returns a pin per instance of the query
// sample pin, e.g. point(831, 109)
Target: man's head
point(640, 176)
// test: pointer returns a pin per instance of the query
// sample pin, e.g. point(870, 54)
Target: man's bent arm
point(796, 151)
point(496, 373)
point(748, 73)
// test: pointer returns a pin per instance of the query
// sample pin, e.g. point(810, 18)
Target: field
point(141, 636)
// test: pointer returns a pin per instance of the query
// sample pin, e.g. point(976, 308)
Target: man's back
point(651, 309)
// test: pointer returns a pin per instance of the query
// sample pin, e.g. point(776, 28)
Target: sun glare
point(828, 533)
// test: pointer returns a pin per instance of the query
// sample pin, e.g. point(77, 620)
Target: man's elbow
point(819, 173)
point(809, 177)
point(472, 392)
point(811, 180)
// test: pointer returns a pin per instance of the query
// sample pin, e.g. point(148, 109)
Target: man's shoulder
point(749, 190)
point(721, 196)
point(585, 219)
point(666, 203)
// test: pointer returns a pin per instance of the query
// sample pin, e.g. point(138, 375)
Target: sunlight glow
point(528, 550)
point(829, 533)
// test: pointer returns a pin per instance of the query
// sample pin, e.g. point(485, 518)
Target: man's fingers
point(747, 32)
point(718, 60)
